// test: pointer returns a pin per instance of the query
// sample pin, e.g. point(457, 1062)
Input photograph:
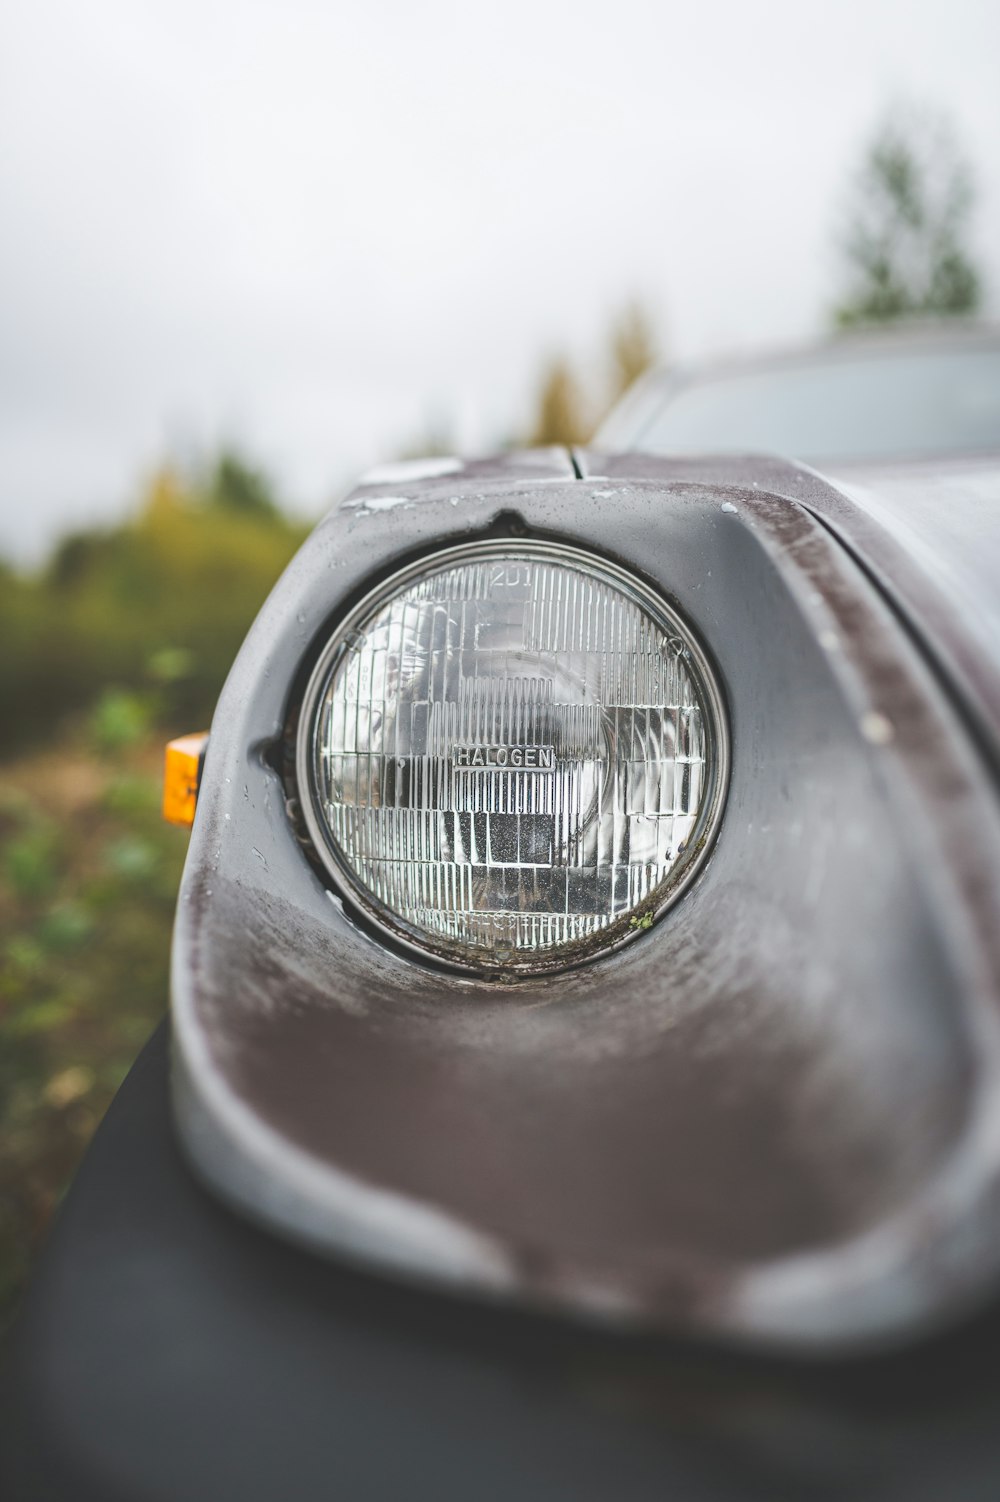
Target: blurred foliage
point(561, 415)
point(633, 348)
point(236, 487)
point(88, 882)
point(564, 410)
point(145, 618)
point(907, 220)
point(128, 634)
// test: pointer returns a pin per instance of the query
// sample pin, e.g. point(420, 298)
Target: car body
point(919, 394)
point(748, 1155)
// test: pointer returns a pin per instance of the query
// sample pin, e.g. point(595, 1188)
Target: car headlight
point(512, 754)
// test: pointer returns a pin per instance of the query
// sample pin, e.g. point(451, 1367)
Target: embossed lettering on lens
point(509, 752)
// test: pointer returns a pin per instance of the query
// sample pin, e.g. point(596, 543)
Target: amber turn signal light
point(182, 766)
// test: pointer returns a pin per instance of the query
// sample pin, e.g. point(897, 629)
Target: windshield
point(875, 405)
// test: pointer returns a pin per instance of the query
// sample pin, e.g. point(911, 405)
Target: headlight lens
point(512, 754)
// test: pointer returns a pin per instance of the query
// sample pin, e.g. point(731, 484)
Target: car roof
point(646, 395)
point(877, 339)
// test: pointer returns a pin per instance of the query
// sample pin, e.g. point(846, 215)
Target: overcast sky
point(317, 229)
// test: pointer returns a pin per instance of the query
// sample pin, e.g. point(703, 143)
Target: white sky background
point(318, 229)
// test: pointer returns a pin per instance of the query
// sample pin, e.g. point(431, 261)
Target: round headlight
point(512, 754)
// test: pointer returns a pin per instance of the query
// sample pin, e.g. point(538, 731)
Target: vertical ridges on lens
point(511, 751)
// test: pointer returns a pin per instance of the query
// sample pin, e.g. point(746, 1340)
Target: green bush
point(141, 621)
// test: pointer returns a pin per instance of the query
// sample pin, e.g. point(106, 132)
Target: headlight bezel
point(336, 641)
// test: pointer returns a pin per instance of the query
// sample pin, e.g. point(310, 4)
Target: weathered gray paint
point(774, 1117)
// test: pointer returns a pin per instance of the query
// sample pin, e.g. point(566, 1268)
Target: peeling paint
point(368, 505)
point(877, 729)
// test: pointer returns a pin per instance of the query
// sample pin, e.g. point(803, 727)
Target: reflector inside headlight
point(512, 754)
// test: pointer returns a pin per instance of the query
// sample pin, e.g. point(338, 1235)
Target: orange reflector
point(181, 776)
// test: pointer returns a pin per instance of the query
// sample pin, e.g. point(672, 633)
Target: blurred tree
point(561, 412)
point(236, 486)
point(904, 245)
point(166, 494)
point(633, 348)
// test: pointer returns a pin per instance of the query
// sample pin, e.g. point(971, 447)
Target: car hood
point(927, 532)
point(773, 1119)
point(930, 533)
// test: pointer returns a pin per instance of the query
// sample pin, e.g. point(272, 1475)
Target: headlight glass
point(512, 754)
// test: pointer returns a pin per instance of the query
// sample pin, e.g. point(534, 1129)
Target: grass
point(126, 635)
point(88, 883)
